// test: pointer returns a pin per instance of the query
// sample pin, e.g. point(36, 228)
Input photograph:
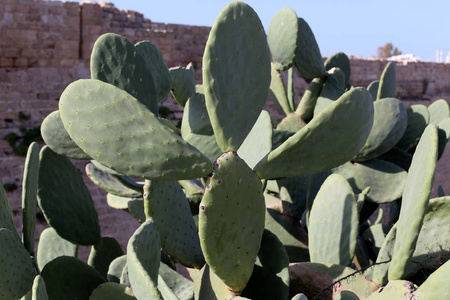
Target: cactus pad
point(282, 37)
point(112, 291)
point(341, 61)
point(387, 86)
point(236, 74)
point(69, 278)
point(56, 137)
point(183, 84)
point(414, 201)
point(6, 216)
point(166, 204)
point(386, 180)
point(180, 286)
point(103, 254)
point(122, 134)
point(143, 259)
point(258, 142)
point(65, 200)
point(109, 182)
point(277, 92)
point(389, 125)
point(418, 119)
point(16, 268)
point(308, 59)
point(160, 74)
point(439, 111)
point(39, 291)
point(437, 285)
point(329, 140)
point(329, 243)
point(270, 278)
point(29, 196)
point(116, 61)
point(231, 220)
point(51, 246)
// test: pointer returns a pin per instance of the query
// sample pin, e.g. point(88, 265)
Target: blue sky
point(356, 27)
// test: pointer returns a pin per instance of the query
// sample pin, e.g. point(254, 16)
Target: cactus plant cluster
point(253, 209)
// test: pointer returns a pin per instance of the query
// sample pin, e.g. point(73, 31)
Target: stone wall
point(46, 45)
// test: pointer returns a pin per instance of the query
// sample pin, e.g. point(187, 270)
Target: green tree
point(388, 50)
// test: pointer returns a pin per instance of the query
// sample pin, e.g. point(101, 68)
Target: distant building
point(404, 57)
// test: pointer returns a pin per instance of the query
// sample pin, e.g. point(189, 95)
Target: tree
point(388, 50)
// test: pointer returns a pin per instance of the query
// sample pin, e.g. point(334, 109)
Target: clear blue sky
point(356, 27)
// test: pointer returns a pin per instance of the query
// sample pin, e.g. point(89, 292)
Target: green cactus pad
point(325, 281)
point(115, 60)
point(115, 269)
point(414, 201)
point(258, 142)
point(231, 220)
point(236, 74)
point(118, 202)
point(51, 246)
point(379, 272)
point(180, 286)
point(329, 140)
point(120, 133)
point(373, 89)
point(161, 75)
point(330, 92)
point(340, 76)
point(183, 84)
point(270, 278)
point(69, 278)
point(293, 123)
point(433, 243)
point(195, 117)
point(375, 235)
point(388, 82)
point(196, 128)
point(439, 110)
point(6, 217)
point(282, 37)
point(110, 183)
point(300, 296)
point(39, 291)
point(290, 232)
point(389, 125)
point(418, 119)
point(166, 204)
point(386, 180)
point(143, 259)
point(329, 243)
point(341, 61)
point(277, 92)
point(444, 135)
point(56, 137)
point(306, 107)
point(112, 291)
point(103, 254)
point(398, 157)
point(136, 209)
point(29, 196)
point(65, 200)
point(395, 289)
point(308, 59)
point(437, 285)
point(16, 268)
point(202, 283)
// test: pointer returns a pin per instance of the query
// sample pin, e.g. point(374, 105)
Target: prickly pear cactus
point(231, 220)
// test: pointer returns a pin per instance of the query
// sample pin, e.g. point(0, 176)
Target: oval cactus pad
point(121, 133)
point(231, 220)
point(236, 74)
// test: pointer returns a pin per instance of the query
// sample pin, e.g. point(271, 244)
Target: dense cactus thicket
point(254, 209)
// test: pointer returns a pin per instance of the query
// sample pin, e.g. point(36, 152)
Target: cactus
point(65, 200)
point(414, 201)
point(324, 246)
point(39, 290)
point(51, 246)
point(266, 177)
point(227, 231)
point(69, 278)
